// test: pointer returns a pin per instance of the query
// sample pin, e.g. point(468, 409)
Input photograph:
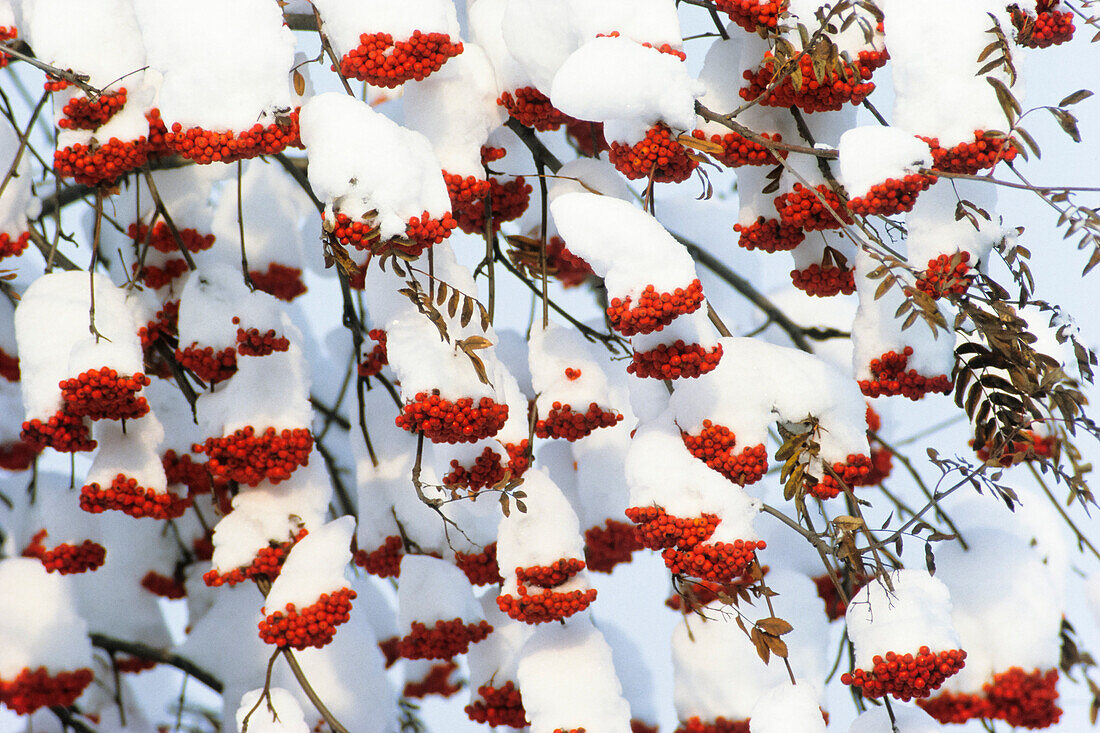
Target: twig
point(144, 651)
point(23, 138)
point(80, 80)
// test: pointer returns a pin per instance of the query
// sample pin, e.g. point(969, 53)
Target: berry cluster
point(82, 113)
point(461, 421)
point(519, 457)
point(956, 708)
point(562, 264)
point(125, 495)
point(893, 196)
point(443, 640)
point(608, 545)
point(1024, 699)
point(532, 108)
point(657, 156)
point(133, 665)
point(104, 394)
point(835, 606)
point(480, 567)
point(550, 576)
point(280, 281)
point(424, 231)
point(563, 422)
point(162, 326)
point(163, 240)
point(1049, 27)
point(63, 432)
point(906, 676)
point(267, 564)
point(248, 458)
point(207, 146)
point(508, 201)
point(381, 61)
point(10, 247)
point(890, 378)
point(158, 148)
point(17, 456)
point(362, 234)
point(769, 235)
point(548, 605)
point(313, 626)
point(385, 562)
point(7, 33)
point(720, 562)
point(753, 14)
point(208, 365)
point(946, 274)
point(251, 342)
point(693, 595)
point(738, 150)
point(970, 157)
point(66, 559)
point(498, 706)
point(855, 471)
point(718, 725)
point(653, 310)
point(882, 463)
point(465, 190)
point(156, 277)
point(714, 446)
point(376, 358)
point(100, 164)
point(1028, 445)
point(843, 84)
point(637, 726)
point(163, 585)
point(812, 209)
point(487, 471)
point(9, 366)
point(587, 136)
point(675, 360)
point(658, 530)
point(436, 682)
point(31, 690)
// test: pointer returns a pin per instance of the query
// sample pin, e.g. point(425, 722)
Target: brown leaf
point(467, 311)
point(299, 83)
point(759, 640)
point(777, 646)
point(775, 626)
point(475, 342)
point(452, 304)
point(441, 294)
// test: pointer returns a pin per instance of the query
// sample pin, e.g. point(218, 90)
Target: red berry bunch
point(587, 136)
point(65, 558)
point(163, 586)
point(381, 61)
point(889, 378)
point(207, 146)
point(532, 108)
point(508, 201)
point(268, 563)
point(824, 281)
point(385, 561)
point(769, 235)
point(970, 157)
point(208, 365)
point(158, 148)
point(9, 367)
point(31, 690)
point(1024, 699)
point(550, 576)
point(714, 446)
point(389, 650)
point(498, 706)
point(251, 342)
point(562, 422)
point(657, 156)
point(738, 150)
point(7, 33)
point(10, 247)
point(157, 277)
point(893, 196)
point(248, 458)
point(63, 432)
point(654, 310)
point(100, 164)
point(547, 605)
point(54, 84)
point(465, 190)
point(487, 471)
point(695, 595)
point(847, 83)
point(569, 269)
point(480, 567)
point(854, 472)
point(835, 606)
point(519, 457)
point(163, 240)
point(376, 358)
point(436, 682)
point(1049, 27)
point(163, 326)
point(956, 708)
point(444, 421)
point(104, 394)
point(280, 281)
point(753, 14)
point(1027, 446)
point(802, 208)
point(17, 456)
point(906, 676)
point(426, 231)
point(720, 562)
point(313, 626)
point(946, 274)
point(719, 725)
point(133, 665)
point(637, 726)
point(443, 640)
point(607, 545)
point(675, 360)
point(659, 530)
point(82, 113)
point(125, 495)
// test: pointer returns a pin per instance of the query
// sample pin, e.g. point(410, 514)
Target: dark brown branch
point(144, 651)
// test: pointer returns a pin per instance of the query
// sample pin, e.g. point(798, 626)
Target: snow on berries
point(437, 611)
point(905, 643)
point(56, 532)
point(787, 707)
point(495, 697)
point(571, 385)
point(880, 167)
point(270, 711)
point(1048, 27)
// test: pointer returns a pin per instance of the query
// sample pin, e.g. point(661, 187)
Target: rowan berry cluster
point(17, 456)
point(855, 471)
point(279, 281)
point(720, 562)
point(565, 266)
point(83, 113)
point(657, 156)
point(675, 360)
point(444, 421)
point(587, 136)
point(155, 277)
point(208, 146)
point(360, 234)
point(124, 494)
point(436, 682)
point(545, 606)
point(657, 530)
point(13, 247)
point(1050, 27)
point(769, 235)
point(906, 676)
point(383, 62)
point(313, 626)
point(889, 378)
point(100, 163)
point(250, 342)
point(385, 561)
point(163, 240)
point(208, 365)
point(718, 725)
point(31, 690)
point(158, 147)
point(847, 83)
point(1024, 699)
point(892, 196)
point(62, 431)
point(268, 563)
point(519, 457)
point(738, 150)
point(532, 108)
point(463, 191)
point(698, 594)
point(104, 394)
point(653, 310)
point(425, 231)
point(376, 358)
point(607, 545)
point(248, 458)
point(714, 446)
point(637, 726)
point(480, 567)
point(163, 585)
point(127, 664)
point(970, 157)
point(487, 470)
point(835, 606)
point(163, 325)
point(508, 201)
point(443, 640)
point(946, 274)
point(753, 14)
point(66, 558)
point(562, 422)
point(552, 575)
point(812, 209)
point(498, 706)
point(7, 33)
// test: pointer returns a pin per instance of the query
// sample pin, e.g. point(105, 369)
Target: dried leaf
point(759, 640)
point(467, 311)
point(775, 626)
point(452, 304)
point(1079, 96)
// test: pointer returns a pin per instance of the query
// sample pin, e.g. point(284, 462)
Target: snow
point(547, 532)
point(361, 161)
point(99, 38)
point(314, 566)
point(208, 302)
point(132, 452)
point(555, 350)
point(601, 487)
point(434, 590)
point(493, 661)
point(787, 707)
point(907, 719)
point(873, 154)
point(278, 712)
point(567, 679)
point(422, 361)
point(628, 86)
point(933, 228)
point(644, 21)
point(346, 20)
point(589, 174)
point(17, 200)
point(266, 392)
point(486, 21)
point(633, 672)
point(916, 613)
point(540, 36)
